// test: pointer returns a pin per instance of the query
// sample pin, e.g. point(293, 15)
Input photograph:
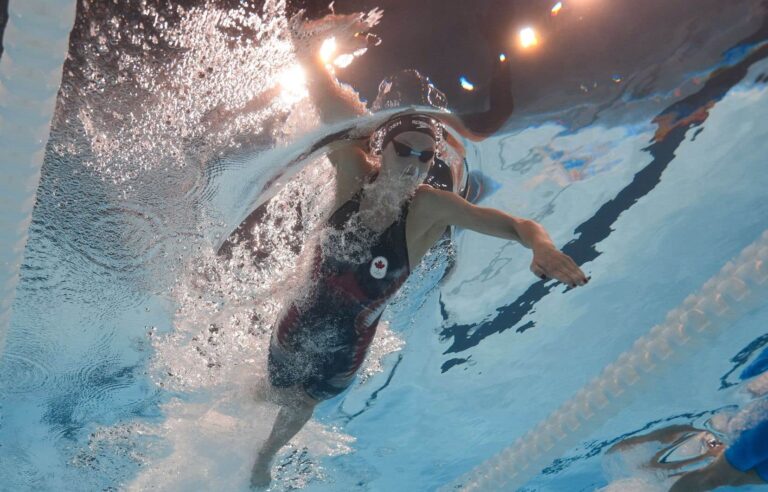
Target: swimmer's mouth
point(411, 172)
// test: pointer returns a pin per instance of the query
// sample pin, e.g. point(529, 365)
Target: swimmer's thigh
point(281, 367)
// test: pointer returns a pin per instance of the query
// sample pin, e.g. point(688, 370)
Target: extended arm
point(335, 101)
point(548, 261)
point(664, 435)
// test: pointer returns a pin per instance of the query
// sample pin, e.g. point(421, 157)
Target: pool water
point(134, 351)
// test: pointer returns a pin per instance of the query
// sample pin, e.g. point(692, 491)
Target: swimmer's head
point(407, 143)
point(408, 148)
point(411, 123)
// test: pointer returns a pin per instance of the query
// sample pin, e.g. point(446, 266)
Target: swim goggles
point(403, 150)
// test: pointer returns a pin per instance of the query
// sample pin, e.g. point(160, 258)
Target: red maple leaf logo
point(379, 264)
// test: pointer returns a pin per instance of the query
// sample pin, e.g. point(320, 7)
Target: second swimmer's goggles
point(405, 151)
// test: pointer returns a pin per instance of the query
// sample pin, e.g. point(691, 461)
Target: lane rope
point(36, 42)
point(740, 286)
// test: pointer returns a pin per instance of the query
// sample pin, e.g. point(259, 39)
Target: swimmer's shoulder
point(428, 202)
point(437, 207)
point(430, 197)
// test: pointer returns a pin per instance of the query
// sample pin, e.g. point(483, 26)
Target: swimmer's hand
point(350, 32)
point(548, 262)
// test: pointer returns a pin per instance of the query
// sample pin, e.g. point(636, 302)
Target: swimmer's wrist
point(542, 244)
point(532, 235)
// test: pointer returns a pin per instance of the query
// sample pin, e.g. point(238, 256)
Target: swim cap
point(408, 123)
point(406, 88)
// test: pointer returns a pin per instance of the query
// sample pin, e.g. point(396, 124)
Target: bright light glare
point(327, 49)
point(466, 84)
point(342, 61)
point(528, 37)
point(502, 57)
point(328, 54)
point(293, 81)
point(557, 8)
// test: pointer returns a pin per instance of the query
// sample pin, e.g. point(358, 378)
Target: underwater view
point(430, 245)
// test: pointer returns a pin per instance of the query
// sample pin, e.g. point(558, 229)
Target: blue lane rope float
point(740, 286)
point(36, 40)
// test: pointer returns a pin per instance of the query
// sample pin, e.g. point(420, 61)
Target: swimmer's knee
point(305, 400)
point(292, 396)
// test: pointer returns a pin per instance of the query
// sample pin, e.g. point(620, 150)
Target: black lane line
point(683, 115)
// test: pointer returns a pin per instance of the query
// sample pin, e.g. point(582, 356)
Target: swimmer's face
point(408, 156)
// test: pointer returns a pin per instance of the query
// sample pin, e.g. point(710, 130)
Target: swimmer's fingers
point(558, 265)
point(350, 33)
point(557, 274)
point(328, 26)
point(569, 274)
point(578, 275)
point(570, 270)
point(567, 277)
point(373, 17)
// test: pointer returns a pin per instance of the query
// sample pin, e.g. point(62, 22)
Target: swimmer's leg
point(290, 419)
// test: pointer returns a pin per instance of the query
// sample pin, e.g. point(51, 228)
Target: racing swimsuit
point(320, 343)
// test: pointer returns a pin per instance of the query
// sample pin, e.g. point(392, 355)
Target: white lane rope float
point(35, 42)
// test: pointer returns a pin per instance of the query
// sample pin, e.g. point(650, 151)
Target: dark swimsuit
point(320, 344)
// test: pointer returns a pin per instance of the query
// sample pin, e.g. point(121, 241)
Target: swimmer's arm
point(664, 435)
point(454, 210)
point(334, 101)
point(548, 261)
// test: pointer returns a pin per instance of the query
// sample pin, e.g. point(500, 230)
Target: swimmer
point(743, 462)
point(685, 445)
point(385, 219)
